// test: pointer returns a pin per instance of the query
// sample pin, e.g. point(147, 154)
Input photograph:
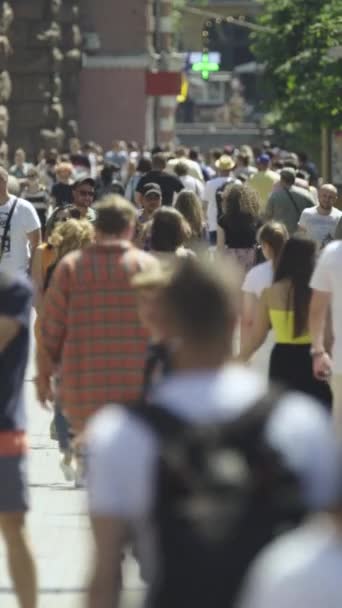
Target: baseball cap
point(264, 158)
point(85, 179)
point(151, 189)
point(288, 172)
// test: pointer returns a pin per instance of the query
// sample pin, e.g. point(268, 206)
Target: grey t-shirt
point(321, 228)
point(287, 205)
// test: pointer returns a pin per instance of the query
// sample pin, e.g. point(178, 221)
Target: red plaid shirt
point(91, 331)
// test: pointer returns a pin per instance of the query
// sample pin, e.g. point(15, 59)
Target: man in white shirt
point(320, 222)
point(20, 230)
point(224, 167)
point(194, 313)
point(327, 295)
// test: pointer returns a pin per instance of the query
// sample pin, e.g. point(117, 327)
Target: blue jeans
point(63, 429)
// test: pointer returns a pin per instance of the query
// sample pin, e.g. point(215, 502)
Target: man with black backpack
point(211, 468)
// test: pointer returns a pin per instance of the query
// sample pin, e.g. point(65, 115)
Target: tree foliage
point(306, 83)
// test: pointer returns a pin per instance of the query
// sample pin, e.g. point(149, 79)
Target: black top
point(62, 193)
point(240, 231)
point(169, 184)
point(15, 302)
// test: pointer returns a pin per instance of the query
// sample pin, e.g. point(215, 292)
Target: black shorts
point(13, 484)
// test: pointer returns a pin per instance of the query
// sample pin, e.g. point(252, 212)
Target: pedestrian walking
point(287, 203)
point(272, 238)
point(20, 232)
point(285, 307)
point(90, 326)
point(15, 309)
point(320, 222)
point(327, 300)
point(238, 225)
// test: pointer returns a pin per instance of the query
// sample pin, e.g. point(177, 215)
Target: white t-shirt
point(209, 196)
point(258, 278)
point(123, 451)
point(321, 228)
point(327, 278)
point(24, 220)
point(193, 184)
point(302, 569)
point(194, 168)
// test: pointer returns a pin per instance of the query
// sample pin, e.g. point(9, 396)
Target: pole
point(158, 49)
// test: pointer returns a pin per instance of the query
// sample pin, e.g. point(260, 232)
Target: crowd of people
point(155, 277)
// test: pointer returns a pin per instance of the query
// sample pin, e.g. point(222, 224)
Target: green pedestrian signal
point(206, 66)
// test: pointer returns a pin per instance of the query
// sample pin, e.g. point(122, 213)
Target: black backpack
point(222, 494)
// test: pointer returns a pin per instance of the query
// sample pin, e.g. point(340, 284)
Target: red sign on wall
point(163, 83)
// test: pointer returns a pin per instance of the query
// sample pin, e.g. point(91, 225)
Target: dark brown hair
point(189, 205)
point(275, 235)
point(168, 230)
point(296, 263)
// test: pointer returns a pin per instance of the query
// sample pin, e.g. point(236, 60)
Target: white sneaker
point(67, 470)
point(80, 480)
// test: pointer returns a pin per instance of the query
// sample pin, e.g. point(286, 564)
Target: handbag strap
point(6, 229)
point(293, 202)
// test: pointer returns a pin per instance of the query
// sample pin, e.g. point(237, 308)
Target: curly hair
point(70, 236)
point(240, 199)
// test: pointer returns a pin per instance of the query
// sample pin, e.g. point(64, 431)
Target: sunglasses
point(87, 193)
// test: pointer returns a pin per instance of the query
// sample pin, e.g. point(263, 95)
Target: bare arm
point(37, 278)
point(34, 238)
point(249, 307)
point(260, 329)
point(319, 309)
point(109, 535)
point(9, 329)
point(221, 241)
point(318, 319)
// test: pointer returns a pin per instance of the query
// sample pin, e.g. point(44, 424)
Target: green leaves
point(306, 83)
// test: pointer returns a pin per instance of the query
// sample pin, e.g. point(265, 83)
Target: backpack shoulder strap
point(166, 425)
point(251, 425)
point(6, 229)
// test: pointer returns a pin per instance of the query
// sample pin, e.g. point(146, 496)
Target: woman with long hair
point(272, 238)
point(190, 206)
point(285, 307)
point(238, 224)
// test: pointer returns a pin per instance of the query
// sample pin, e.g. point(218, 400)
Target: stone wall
point(44, 66)
point(6, 19)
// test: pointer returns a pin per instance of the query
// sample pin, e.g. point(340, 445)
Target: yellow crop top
point(282, 322)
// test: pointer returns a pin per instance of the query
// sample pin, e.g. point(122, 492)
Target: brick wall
point(121, 25)
point(113, 105)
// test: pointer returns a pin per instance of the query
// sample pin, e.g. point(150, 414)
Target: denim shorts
point(13, 484)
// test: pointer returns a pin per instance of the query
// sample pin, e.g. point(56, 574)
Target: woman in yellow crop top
point(284, 306)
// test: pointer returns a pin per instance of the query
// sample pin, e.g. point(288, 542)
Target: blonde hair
point(189, 205)
point(71, 235)
point(63, 167)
